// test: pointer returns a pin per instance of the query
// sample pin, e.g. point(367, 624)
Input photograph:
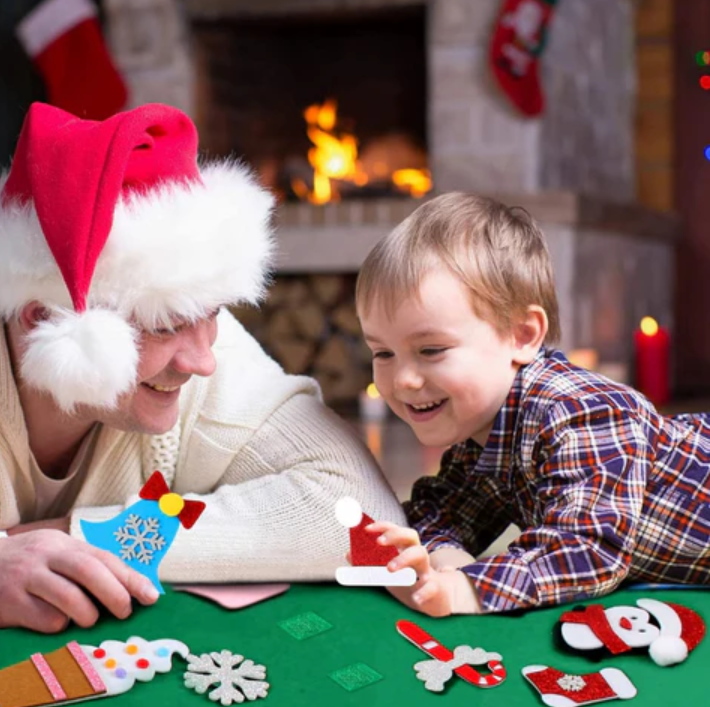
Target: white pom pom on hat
point(668, 650)
point(89, 358)
point(348, 512)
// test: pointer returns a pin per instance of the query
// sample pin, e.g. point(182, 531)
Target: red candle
point(652, 350)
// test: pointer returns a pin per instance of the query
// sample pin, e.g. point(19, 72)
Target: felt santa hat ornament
point(621, 628)
point(369, 559)
point(113, 227)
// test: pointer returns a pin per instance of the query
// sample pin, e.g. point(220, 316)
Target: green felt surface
point(362, 644)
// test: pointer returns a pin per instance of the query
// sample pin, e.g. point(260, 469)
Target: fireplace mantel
point(337, 237)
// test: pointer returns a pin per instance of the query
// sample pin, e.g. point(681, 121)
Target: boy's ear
point(32, 314)
point(528, 334)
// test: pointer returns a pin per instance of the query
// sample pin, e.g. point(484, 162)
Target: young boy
point(458, 306)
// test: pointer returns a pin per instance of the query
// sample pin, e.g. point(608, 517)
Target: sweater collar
point(13, 418)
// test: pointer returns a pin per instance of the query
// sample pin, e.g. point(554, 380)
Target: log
point(295, 356)
point(309, 321)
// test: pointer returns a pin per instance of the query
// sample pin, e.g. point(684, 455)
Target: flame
point(649, 326)
point(334, 158)
point(415, 181)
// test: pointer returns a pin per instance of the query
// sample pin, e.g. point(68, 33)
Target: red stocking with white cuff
point(517, 45)
point(558, 689)
point(64, 40)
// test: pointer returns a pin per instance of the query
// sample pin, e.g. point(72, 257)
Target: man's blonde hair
point(498, 252)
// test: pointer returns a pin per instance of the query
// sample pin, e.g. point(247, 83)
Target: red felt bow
point(155, 488)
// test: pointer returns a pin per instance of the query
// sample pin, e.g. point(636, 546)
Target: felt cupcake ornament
point(75, 672)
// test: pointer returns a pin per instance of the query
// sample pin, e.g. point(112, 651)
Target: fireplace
point(325, 106)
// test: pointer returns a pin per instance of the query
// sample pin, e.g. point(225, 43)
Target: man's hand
point(53, 524)
point(437, 592)
point(45, 576)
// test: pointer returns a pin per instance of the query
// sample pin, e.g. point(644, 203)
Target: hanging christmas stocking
point(63, 38)
point(518, 41)
point(559, 689)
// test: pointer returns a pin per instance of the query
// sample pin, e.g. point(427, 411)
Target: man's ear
point(31, 315)
point(529, 332)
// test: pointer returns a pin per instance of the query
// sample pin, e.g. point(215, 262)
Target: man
point(117, 254)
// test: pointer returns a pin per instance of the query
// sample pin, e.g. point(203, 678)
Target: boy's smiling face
point(440, 367)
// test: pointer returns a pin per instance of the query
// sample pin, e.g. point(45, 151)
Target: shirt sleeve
point(591, 465)
point(457, 508)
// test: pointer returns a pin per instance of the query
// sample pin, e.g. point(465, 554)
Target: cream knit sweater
point(257, 445)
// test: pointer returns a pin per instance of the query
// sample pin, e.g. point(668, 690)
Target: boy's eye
point(381, 354)
point(431, 351)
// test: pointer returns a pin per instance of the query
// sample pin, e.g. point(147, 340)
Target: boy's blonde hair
point(497, 252)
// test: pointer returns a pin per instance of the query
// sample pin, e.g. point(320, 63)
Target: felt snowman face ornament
point(668, 630)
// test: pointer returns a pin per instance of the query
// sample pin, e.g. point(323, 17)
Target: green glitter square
point(355, 676)
point(305, 625)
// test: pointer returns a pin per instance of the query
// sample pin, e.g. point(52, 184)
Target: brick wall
point(654, 148)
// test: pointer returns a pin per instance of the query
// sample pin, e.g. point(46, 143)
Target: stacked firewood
point(308, 324)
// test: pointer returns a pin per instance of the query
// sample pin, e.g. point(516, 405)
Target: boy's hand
point(46, 577)
point(437, 592)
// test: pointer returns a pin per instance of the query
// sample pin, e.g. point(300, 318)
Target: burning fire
point(334, 158)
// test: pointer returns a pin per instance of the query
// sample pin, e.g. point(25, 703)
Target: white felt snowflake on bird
point(224, 670)
point(139, 539)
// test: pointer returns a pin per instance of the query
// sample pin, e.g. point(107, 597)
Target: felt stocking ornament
point(559, 689)
point(518, 41)
point(63, 38)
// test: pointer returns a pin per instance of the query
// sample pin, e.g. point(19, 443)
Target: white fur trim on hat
point(180, 250)
point(88, 358)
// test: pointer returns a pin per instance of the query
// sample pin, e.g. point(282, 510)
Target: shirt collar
point(497, 455)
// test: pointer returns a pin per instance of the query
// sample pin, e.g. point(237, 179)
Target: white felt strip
point(375, 577)
point(50, 20)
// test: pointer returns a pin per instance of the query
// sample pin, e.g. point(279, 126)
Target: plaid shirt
point(603, 488)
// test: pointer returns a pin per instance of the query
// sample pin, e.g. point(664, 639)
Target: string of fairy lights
point(702, 59)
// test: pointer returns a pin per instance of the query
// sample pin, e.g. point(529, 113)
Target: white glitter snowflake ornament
point(139, 538)
point(224, 670)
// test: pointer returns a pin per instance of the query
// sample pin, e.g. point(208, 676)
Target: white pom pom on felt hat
point(348, 512)
point(668, 650)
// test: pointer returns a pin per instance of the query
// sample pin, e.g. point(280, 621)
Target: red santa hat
point(113, 227)
point(368, 558)
point(681, 630)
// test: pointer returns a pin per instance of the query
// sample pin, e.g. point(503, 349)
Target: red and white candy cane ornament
point(459, 661)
